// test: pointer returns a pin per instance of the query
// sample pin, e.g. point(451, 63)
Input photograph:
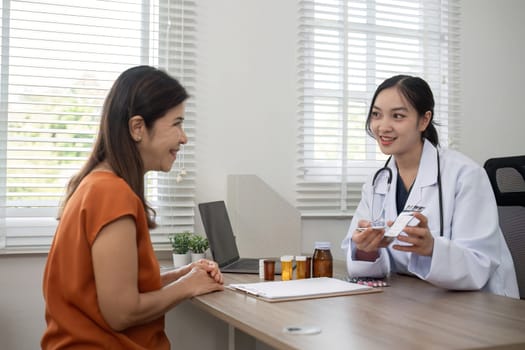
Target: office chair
point(507, 177)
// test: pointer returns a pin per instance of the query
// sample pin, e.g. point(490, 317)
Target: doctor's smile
point(386, 141)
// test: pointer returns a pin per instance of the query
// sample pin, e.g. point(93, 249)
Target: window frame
point(337, 195)
point(29, 226)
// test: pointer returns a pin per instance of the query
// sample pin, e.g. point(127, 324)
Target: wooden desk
point(411, 314)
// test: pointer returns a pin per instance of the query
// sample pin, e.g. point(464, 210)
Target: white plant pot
point(197, 256)
point(181, 259)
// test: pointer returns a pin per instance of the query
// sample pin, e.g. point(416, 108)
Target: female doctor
point(456, 242)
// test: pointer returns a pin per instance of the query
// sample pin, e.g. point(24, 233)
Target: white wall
point(246, 98)
point(493, 78)
point(21, 302)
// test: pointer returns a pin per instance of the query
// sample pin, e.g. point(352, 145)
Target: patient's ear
point(137, 127)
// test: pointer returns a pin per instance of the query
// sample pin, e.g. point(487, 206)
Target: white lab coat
point(471, 255)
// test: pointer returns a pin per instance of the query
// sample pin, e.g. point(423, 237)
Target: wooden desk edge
point(272, 341)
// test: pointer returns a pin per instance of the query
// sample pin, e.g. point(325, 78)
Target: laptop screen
point(219, 232)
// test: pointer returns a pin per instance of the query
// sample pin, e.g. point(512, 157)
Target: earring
point(180, 175)
point(182, 170)
point(138, 139)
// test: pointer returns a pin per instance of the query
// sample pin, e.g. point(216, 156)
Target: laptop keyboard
point(252, 264)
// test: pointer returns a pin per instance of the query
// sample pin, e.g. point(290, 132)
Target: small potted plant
point(180, 244)
point(198, 245)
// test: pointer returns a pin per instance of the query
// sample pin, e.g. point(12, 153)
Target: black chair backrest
point(507, 177)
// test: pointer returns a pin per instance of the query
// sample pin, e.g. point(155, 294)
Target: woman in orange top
point(102, 282)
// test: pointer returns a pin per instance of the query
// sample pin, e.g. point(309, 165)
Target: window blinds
point(346, 49)
point(59, 58)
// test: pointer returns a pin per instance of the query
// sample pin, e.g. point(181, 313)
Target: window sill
point(335, 216)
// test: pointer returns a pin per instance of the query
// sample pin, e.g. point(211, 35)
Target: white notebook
point(301, 289)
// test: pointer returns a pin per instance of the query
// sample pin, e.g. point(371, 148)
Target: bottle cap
point(300, 258)
point(323, 245)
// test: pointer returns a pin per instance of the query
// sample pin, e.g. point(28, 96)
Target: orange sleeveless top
point(72, 314)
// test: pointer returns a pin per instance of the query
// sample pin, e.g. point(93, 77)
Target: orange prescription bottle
point(286, 267)
point(300, 271)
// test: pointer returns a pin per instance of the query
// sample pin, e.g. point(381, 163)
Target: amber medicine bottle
point(322, 260)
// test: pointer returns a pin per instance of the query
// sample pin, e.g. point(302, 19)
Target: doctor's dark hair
point(142, 90)
point(418, 94)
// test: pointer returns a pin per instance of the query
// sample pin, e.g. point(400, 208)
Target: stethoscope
point(389, 182)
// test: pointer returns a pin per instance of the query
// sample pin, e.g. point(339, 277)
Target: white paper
point(299, 288)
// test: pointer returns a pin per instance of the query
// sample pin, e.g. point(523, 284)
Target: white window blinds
point(346, 49)
point(59, 58)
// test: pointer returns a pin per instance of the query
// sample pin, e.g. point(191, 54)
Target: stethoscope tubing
point(440, 191)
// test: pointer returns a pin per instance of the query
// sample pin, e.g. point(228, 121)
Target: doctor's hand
point(369, 240)
point(420, 238)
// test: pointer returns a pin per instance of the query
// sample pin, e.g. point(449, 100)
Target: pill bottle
point(308, 267)
point(322, 260)
point(300, 271)
point(269, 269)
point(286, 267)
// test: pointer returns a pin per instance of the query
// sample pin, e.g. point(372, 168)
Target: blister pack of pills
point(370, 281)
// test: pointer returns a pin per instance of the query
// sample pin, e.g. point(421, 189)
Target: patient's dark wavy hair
point(141, 90)
point(418, 94)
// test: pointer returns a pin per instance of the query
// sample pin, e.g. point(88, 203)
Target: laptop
point(223, 247)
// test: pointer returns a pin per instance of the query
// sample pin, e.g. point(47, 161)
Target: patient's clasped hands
point(210, 267)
